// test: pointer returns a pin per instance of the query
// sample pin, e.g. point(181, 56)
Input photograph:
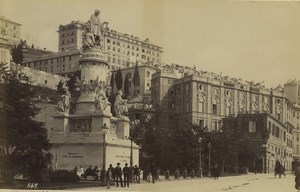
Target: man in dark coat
point(137, 172)
point(112, 170)
point(126, 173)
point(153, 172)
point(118, 175)
point(278, 168)
point(297, 174)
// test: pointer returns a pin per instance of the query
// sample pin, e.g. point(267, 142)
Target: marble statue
point(64, 104)
point(101, 100)
point(88, 39)
point(120, 105)
point(93, 37)
point(96, 27)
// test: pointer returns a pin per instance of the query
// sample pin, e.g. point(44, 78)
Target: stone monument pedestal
point(80, 139)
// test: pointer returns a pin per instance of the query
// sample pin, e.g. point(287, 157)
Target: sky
point(252, 40)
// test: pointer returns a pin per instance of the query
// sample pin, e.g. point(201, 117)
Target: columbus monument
point(91, 135)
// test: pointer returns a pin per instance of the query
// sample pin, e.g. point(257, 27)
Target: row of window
point(67, 34)
point(274, 130)
point(52, 69)
point(68, 41)
point(9, 33)
point(123, 38)
point(133, 54)
point(278, 150)
point(129, 40)
point(37, 63)
point(8, 25)
point(134, 48)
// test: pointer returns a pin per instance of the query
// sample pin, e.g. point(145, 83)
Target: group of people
point(94, 172)
point(122, 175)
point(116, 174)
point(279, 169)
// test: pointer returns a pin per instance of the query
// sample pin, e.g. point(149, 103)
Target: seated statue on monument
point(88, 39)
point(64, 104)
point(120, 105)
point(101, 100)
point(93, 36)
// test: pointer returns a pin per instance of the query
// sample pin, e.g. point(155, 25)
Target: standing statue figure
point(100, 98)
point(64, 104)
point(120, 105)
point(96, 27)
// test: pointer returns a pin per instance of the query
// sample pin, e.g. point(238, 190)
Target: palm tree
point(9, 154)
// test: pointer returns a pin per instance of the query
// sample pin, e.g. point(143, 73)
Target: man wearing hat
point(118, 175)
point(96, 28)
point(126, 172)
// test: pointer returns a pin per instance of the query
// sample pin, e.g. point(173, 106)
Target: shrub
point(64, 176)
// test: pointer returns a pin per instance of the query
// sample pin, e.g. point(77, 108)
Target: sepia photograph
point(149, 95)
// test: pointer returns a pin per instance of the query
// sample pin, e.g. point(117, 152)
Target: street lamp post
point(103, 172)
point(200, 161)
point(131, 155)
point(209, 147)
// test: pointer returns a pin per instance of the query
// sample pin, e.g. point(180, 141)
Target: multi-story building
point(31, 52)
point(70, 36)
point(204, 99)
point(268, 138)
point(145, 73)
point(123, 50)
point(61, 63)
point(10, 30)
point(9, 36)
point(292, 91)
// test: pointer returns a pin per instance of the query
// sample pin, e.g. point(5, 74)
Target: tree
point(71, 84)
point(229, 143)
point(119, 79)
point(24, 139)
point(17, 54)
point(112, 82)
point(60, 89)
point(126, 86)
point(136, 78)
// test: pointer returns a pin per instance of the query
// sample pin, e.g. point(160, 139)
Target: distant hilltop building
point(123, 50)
point(9, 36)
point(10, 30)
point(292, 91)
point(31, 52)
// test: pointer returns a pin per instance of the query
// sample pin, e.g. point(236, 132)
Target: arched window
point(201, 104)
point(215, 106)
point(241, 106)
point(228, 107)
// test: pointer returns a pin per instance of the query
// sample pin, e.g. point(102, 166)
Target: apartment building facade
point(9, 36)
point(267, 137)
point(203, 100)
point(123, 50)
